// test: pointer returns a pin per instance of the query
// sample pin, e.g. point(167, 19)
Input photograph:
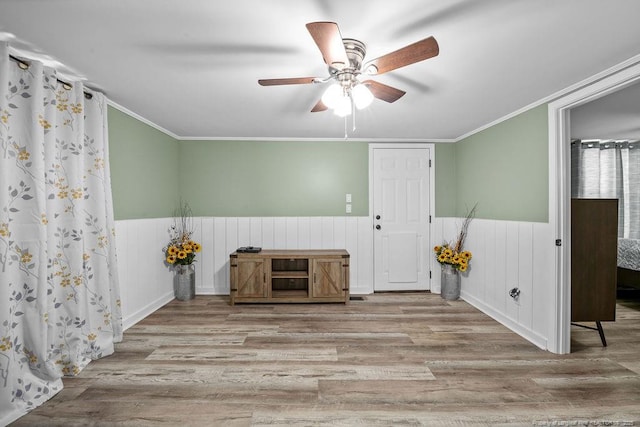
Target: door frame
point(432, 199)
point(611, 80)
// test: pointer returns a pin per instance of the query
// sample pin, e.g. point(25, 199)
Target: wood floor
point(400, 359)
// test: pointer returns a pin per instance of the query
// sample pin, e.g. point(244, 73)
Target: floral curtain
point(609, 170)
point(59, 295)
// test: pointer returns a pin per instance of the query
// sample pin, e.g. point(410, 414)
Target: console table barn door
point(290, 276)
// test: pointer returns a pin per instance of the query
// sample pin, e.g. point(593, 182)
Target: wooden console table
point(293, 276)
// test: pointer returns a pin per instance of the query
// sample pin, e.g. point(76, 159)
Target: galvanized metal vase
point(184, 282)
point(449, 283)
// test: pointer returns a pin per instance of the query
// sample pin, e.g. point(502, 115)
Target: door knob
point(377, 216)
point(378, 227)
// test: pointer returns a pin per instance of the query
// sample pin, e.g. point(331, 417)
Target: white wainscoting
point(506, 255)
point(221, 236)
point(146, 283)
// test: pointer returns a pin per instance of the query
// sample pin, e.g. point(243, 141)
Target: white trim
point(145, 311)
point(306, 139)
point(516, 327)
point(432, 190)
point(600, 85)
point(559, 328)
point(142, 119)
point(432, 215)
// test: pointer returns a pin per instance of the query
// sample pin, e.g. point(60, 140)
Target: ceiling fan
point(344, 58)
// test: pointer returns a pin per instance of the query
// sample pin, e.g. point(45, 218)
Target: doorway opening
point(610, 81)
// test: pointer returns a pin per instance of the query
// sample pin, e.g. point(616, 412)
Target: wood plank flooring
point(392, 359)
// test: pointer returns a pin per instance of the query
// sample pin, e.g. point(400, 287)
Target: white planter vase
point(449, 283)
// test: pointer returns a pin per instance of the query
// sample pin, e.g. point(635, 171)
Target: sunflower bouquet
point(454, 255)
point(181, 249)
point(447, 255)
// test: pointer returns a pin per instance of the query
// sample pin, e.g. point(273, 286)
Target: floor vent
point(356, 298)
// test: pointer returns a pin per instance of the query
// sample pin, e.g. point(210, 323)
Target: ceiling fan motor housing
point(356, 50)
point(347, 76)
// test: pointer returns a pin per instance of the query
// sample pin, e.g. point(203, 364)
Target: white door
point(401, 218)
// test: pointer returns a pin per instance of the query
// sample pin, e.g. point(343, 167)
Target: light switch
point(348, 208)
point(348, 198)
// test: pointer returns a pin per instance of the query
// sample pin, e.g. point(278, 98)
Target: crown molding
point(142, 119)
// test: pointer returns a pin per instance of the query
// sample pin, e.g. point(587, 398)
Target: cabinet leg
point(601, 332)
point(597, 328)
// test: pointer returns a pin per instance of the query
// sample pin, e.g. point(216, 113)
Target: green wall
point(151, 172)
point(446, 180)
point(505, 169)
point(144, 168)
point(270, 178)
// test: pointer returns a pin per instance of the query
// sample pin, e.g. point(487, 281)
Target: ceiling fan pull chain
point(345, 128)
point(353, 115)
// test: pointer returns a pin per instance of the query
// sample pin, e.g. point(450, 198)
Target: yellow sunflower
point(171, 259)
point(182, 254)
point(197, 247)
point(172, 250)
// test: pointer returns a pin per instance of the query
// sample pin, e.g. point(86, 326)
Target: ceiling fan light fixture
point(362, 96)
point(342, 107)
point(332, 95)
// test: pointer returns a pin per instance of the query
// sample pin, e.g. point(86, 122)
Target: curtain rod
point(24, 65)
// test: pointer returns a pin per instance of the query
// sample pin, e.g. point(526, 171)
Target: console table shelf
point(294, 276)
point(290, 274)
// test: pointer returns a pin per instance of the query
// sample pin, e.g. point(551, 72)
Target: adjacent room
point(319, 212)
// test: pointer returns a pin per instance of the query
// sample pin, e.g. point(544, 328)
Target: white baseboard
point(143, 312)
point(527, 334)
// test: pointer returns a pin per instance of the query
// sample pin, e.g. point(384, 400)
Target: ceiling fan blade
point(416, 52)
point(327, 37)
point(319, 107)
point(287, 81)
point(383, 92)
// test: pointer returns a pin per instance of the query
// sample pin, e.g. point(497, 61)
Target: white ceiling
point(614, 116)
point(191, 66)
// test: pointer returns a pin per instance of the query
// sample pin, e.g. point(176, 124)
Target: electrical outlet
point(348, 198)
point(348, 209)
point(515, 294)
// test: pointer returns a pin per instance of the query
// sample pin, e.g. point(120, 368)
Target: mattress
point(629, 254)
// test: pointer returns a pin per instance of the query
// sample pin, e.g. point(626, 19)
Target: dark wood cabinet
point(594, 243)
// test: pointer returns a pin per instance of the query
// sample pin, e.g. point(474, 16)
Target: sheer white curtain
point(609, 170)
point(59, 295)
